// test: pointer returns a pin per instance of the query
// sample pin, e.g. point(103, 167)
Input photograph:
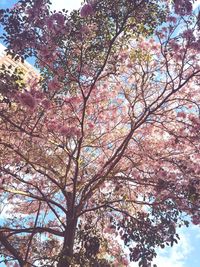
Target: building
point(28, 70)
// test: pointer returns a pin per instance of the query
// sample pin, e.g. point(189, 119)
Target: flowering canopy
point(105, 145)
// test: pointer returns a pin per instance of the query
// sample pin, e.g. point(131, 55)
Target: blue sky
point(186, 253)
point(56, 4)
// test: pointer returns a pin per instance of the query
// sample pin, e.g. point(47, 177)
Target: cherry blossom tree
point(100, 156)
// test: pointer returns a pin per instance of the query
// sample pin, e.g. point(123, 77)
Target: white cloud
point(5, 211)
point(175, 256)
point(67, 4)
point(196, 4)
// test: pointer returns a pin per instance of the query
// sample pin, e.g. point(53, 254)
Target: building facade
point(28, 70)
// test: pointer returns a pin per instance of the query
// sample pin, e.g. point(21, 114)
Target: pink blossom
point(86, 10)
point(61, 71)
point(75, 132)
point(172, 19)
point(183, 7)
point(64, 130)
point(92, 2)
point(56, 22)
point(181, 114)
point(54, 84)
point(52, 126)
point(174, 46)
point(109, 230)
point(130, 66)
point(193, 119)
point(195, 219)
point(59, 18)
point(195, 45)
point(46, 103)
point(28, 100)
point(90, 125)
point(125, 261)
point(69, 131)
point(188, 34)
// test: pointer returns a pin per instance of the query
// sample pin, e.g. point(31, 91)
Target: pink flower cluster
point(54, 84)
point(172, 19)
point(64, 130)
point(189, 35)
point(46, 103)
point(56, 23)
point(28, 100)
point(86, 10)
point(181, 114)
point(183, 7)
point(69, 131)
point(196, 219)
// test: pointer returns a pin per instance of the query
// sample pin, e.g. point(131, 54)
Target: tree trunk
point(67, 251)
